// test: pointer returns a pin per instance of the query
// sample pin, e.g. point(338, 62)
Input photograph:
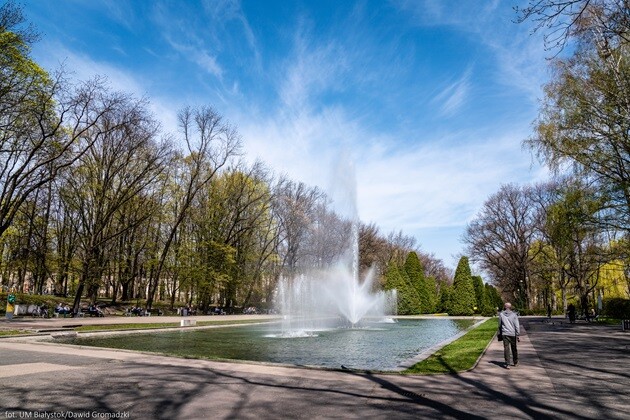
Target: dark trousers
point(509, 344)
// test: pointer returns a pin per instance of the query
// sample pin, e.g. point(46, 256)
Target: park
point(241, 209)
point(552, 381)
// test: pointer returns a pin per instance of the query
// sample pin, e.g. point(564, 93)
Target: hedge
point(618, 308)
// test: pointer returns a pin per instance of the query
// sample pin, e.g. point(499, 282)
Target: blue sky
point(431, 99)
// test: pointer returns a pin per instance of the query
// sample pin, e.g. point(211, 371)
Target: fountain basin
point(381, 346)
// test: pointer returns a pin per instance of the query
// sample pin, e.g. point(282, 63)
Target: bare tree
point(434, 267)
point(123, 160)
point(399, 246)
point(295, 206)
point(605, 21)
point(40, 141)
point(500, 239)
point(211, 143)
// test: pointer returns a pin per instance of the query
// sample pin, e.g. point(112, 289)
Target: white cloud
point(437, 185)
point(453, 96)
point(83, 67)
point(120, 12)
point(199, 56)
point(436, 182)
point(311, 69)
point(421, 186)
point(224, 11)
point(519, 53)
point(467, 15)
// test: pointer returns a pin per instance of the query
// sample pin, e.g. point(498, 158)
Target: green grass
point(460, 355)
point(607, 321)
point(4, 333)
point(138, 326)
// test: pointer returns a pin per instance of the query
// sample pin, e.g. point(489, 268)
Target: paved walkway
point(566, 371)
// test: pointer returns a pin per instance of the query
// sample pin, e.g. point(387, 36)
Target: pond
point(372, 346)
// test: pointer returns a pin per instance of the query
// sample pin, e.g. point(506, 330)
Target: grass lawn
point(607, 321)
point(461, 354)
point(4, 333)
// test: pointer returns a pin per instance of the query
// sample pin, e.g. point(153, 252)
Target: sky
point(429, 100)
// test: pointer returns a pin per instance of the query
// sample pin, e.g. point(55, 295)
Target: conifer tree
point(444, 299)
point(479, 293)
point(413, 269)
point(494, 299)
point(432, 294)
point(463, 299)
point(396, 278)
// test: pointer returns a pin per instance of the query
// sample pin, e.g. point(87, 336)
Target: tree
point(585, 117)
point(463, 300)
point(415, 272)
point(480, 295)
point(295, 206)
point(500, 239)
point(444, 298)
point(211, 143)
point(408, 300)
point(122, 162)
point(399, 246)
point(564, 20)
point(373, 248)
point(434, 268)
point(44, 121)
point(494, 299)
point(236, 231)
point(579, 242)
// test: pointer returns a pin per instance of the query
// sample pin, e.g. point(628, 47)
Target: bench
point(93, 312)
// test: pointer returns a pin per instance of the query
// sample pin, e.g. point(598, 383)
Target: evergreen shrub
point(616, 308)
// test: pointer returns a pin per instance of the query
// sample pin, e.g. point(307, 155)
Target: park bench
point(91, 312)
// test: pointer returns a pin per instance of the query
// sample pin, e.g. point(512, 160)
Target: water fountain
point(336, 296)
point(315, 303)
point(331, 298)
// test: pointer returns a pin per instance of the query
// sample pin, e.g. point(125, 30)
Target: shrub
point(617, 308)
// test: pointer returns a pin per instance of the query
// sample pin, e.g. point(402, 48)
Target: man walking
point(510, 330)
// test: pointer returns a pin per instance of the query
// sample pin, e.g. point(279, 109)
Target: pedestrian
point(510, 329)
point(571, 312)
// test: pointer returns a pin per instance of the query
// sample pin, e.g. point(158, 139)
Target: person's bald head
point(507, 306)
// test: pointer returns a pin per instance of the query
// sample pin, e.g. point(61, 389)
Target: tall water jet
point(319, 299)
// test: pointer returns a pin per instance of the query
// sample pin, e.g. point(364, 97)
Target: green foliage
point(463, 299)
point(480, 295)
point(415, 273)
point(617, 308)
point(432, 298)
point(494, 300)
point(408, 301)
point(460, 355)
point(25, 299)
point(444, 298)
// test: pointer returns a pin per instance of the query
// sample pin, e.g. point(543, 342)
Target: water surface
point(373, 346)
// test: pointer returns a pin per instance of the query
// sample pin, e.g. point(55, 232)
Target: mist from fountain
point(337, 296)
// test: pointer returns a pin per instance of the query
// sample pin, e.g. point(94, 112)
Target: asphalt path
point(573, 371)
